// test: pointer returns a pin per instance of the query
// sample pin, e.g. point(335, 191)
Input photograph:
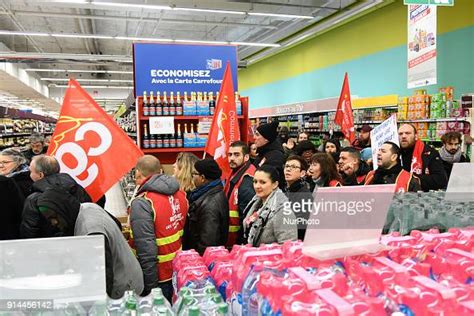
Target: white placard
point(204, 125)
point(421, 46)
point(162, 125)
point(385, 132)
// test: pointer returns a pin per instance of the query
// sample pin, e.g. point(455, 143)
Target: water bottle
point(115, 307)
point(194, 311)
point(131, 303)
point(222, 309)
point(179, 302)
point(158, 292)
point(160, 306)
point(188, 302)
point(98, 309)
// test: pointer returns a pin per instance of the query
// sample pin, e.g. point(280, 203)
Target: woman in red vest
point(324, 171)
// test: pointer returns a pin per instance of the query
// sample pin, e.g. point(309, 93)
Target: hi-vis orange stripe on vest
point(169, 215)
point(402, 182)
point(234, 219)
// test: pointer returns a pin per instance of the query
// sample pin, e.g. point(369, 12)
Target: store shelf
point(448, 119)
point(132, 134)
point(367, 122)
point(431, 140)
point(172, 150)
point(183, 117)
point(21, 134)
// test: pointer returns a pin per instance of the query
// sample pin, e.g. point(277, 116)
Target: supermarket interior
point(260, 157)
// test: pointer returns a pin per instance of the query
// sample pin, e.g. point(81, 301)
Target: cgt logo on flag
point(214, 64)
point(89, 145)
point(72, 153)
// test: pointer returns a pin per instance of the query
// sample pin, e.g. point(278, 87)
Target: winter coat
point(122, 270)
point(433, 176)
point(272, 154)
point(363, 170)
point(296, 193)
point(11, 205)
point(52, 209)
point(274, 223)
point(207, 223)
point(448, 167)
point(23, 181)
point(142, 221)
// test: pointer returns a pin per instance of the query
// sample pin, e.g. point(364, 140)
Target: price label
point(162, 125)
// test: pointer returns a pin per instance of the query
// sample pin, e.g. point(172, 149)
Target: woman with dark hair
point(267, 220)
point(333, 147)
point(15, 166)
point(324, 171)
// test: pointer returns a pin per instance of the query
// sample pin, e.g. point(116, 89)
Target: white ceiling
point(142, 18)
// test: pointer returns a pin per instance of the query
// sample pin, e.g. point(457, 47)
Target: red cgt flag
point(225, 125)
point(344, 117)
point(89, 145)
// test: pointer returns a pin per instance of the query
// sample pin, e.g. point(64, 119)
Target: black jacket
point(448, 167)
point(207, 222)
point(24, 182)
point(389, 176)
point(29, 154)
point(363, 170)
point(272, 154)
point(433, 176)
point(59, 197)
point(11, 204)
point(297, 193)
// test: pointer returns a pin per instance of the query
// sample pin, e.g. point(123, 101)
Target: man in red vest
point(157, 219)
point(238, 189)
point(353, 170)
point(390, 170)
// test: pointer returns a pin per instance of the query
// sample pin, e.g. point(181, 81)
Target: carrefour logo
point(214, 64)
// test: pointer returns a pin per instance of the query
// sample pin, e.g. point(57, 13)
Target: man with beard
point(421, 159)
point(451, 152)
point(363, 141)
point(238, 189)
point(353, 170)
point(390, 170)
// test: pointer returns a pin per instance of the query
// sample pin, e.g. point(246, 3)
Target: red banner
point(89, 145)
point(344, 117)
point(225, 124)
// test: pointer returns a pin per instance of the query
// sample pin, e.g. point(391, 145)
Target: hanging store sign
point(181, 68)
point(431, 2)
point(421, 46)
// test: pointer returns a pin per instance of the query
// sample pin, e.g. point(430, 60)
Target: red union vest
point(402, 182)
point(169, 214)
point(335, 183)
point(234, 218)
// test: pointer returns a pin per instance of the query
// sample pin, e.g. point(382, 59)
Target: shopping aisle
point(115, 203)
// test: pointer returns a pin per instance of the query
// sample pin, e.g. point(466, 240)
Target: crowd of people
point(197, 207)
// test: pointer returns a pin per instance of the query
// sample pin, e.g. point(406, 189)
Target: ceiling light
point(255, 44)
point(163, 7)
point(3, 32)
point(80, 71)
point(95, 87)
point(210, 11)
point(85, 80)
point(82, 36)
point(200, 42)
point(278, 15)
point(149, 39)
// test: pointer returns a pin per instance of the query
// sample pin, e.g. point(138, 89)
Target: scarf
point(20, 169)
point(416, 162)
point(259, 214)
point(198, 192)
point(381, 173)
point(448, 157)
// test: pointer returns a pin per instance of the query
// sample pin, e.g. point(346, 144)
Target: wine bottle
point(159, 108)
point(179, 105)
point(146, 109)
point(172, 104)
point(152, 106)
point(179, 137)
point(166, 141)
point(166, 108)
point(159, 141)
point(153, 141)
point(212, 104)
point(146, 138)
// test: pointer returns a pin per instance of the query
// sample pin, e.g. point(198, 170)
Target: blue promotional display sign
point(180, 68)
